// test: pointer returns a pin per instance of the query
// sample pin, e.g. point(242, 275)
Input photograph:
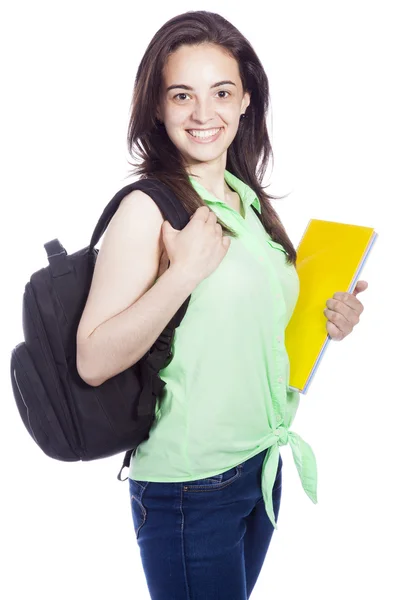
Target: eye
point(223, 92)
point(181, 94)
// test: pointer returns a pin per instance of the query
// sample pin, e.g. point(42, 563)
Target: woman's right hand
point(199, 247)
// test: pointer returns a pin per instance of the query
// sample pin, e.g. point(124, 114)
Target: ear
point(245, 101)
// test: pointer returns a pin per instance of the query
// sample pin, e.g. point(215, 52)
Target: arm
point(126, 311)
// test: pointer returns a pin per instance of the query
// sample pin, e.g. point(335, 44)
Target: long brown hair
point(248, 154)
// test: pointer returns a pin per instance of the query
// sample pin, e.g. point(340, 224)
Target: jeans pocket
point(139, 512)
point(214, 482)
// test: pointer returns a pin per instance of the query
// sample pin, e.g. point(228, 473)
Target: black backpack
point(69, 419)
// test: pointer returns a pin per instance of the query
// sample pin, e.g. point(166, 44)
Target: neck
point(212, 177)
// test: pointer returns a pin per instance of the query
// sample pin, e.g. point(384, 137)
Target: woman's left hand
point(343, 312)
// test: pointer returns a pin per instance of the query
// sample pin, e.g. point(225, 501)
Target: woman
point(205, 487)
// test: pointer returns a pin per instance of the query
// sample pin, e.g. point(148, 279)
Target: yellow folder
point(330, 257)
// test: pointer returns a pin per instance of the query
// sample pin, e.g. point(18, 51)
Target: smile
point(204, 136)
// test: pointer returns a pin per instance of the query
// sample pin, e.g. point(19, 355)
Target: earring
point(242, 116)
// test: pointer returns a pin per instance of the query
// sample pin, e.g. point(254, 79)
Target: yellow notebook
point(330, 257)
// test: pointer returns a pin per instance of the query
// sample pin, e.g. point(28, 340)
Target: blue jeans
point(205, 539)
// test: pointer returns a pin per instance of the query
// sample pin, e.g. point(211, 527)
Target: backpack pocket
point(49, 361)
point(35, 406)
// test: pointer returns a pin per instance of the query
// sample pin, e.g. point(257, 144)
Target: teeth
point(203, 134)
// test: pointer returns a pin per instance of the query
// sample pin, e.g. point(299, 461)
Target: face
point(202, 99)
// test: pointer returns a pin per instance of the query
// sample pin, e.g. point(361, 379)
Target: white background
point(68, 70)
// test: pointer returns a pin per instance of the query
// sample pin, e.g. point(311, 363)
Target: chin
point(203, 157)
point(203, 153)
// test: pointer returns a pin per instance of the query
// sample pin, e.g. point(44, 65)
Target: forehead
point(204, 63)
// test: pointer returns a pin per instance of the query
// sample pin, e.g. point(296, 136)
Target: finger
point(339, 321)
point(211, 217)
point(361, 286)
point(226, 242)
point(339, 307)
point(347, 299)
point(334, 332)
point(201, 214)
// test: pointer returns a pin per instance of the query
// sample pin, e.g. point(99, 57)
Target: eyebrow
point(181, 86)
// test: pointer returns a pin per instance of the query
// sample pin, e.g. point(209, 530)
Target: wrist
point(182, 278)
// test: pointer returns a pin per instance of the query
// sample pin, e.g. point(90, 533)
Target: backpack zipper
point(26, 406)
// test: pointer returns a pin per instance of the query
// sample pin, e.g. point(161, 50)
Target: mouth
point(204, 136)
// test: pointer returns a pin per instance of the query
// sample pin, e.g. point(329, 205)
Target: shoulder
point(138, 203)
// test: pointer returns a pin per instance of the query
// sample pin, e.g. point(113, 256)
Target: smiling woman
point(199, 74)
point(205, 484)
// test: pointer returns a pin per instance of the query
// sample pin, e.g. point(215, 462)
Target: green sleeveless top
point(227, 394)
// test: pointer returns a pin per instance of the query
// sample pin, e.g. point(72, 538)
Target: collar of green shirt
point(245, 192)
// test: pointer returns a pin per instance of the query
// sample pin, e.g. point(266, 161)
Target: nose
point(203, 111)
